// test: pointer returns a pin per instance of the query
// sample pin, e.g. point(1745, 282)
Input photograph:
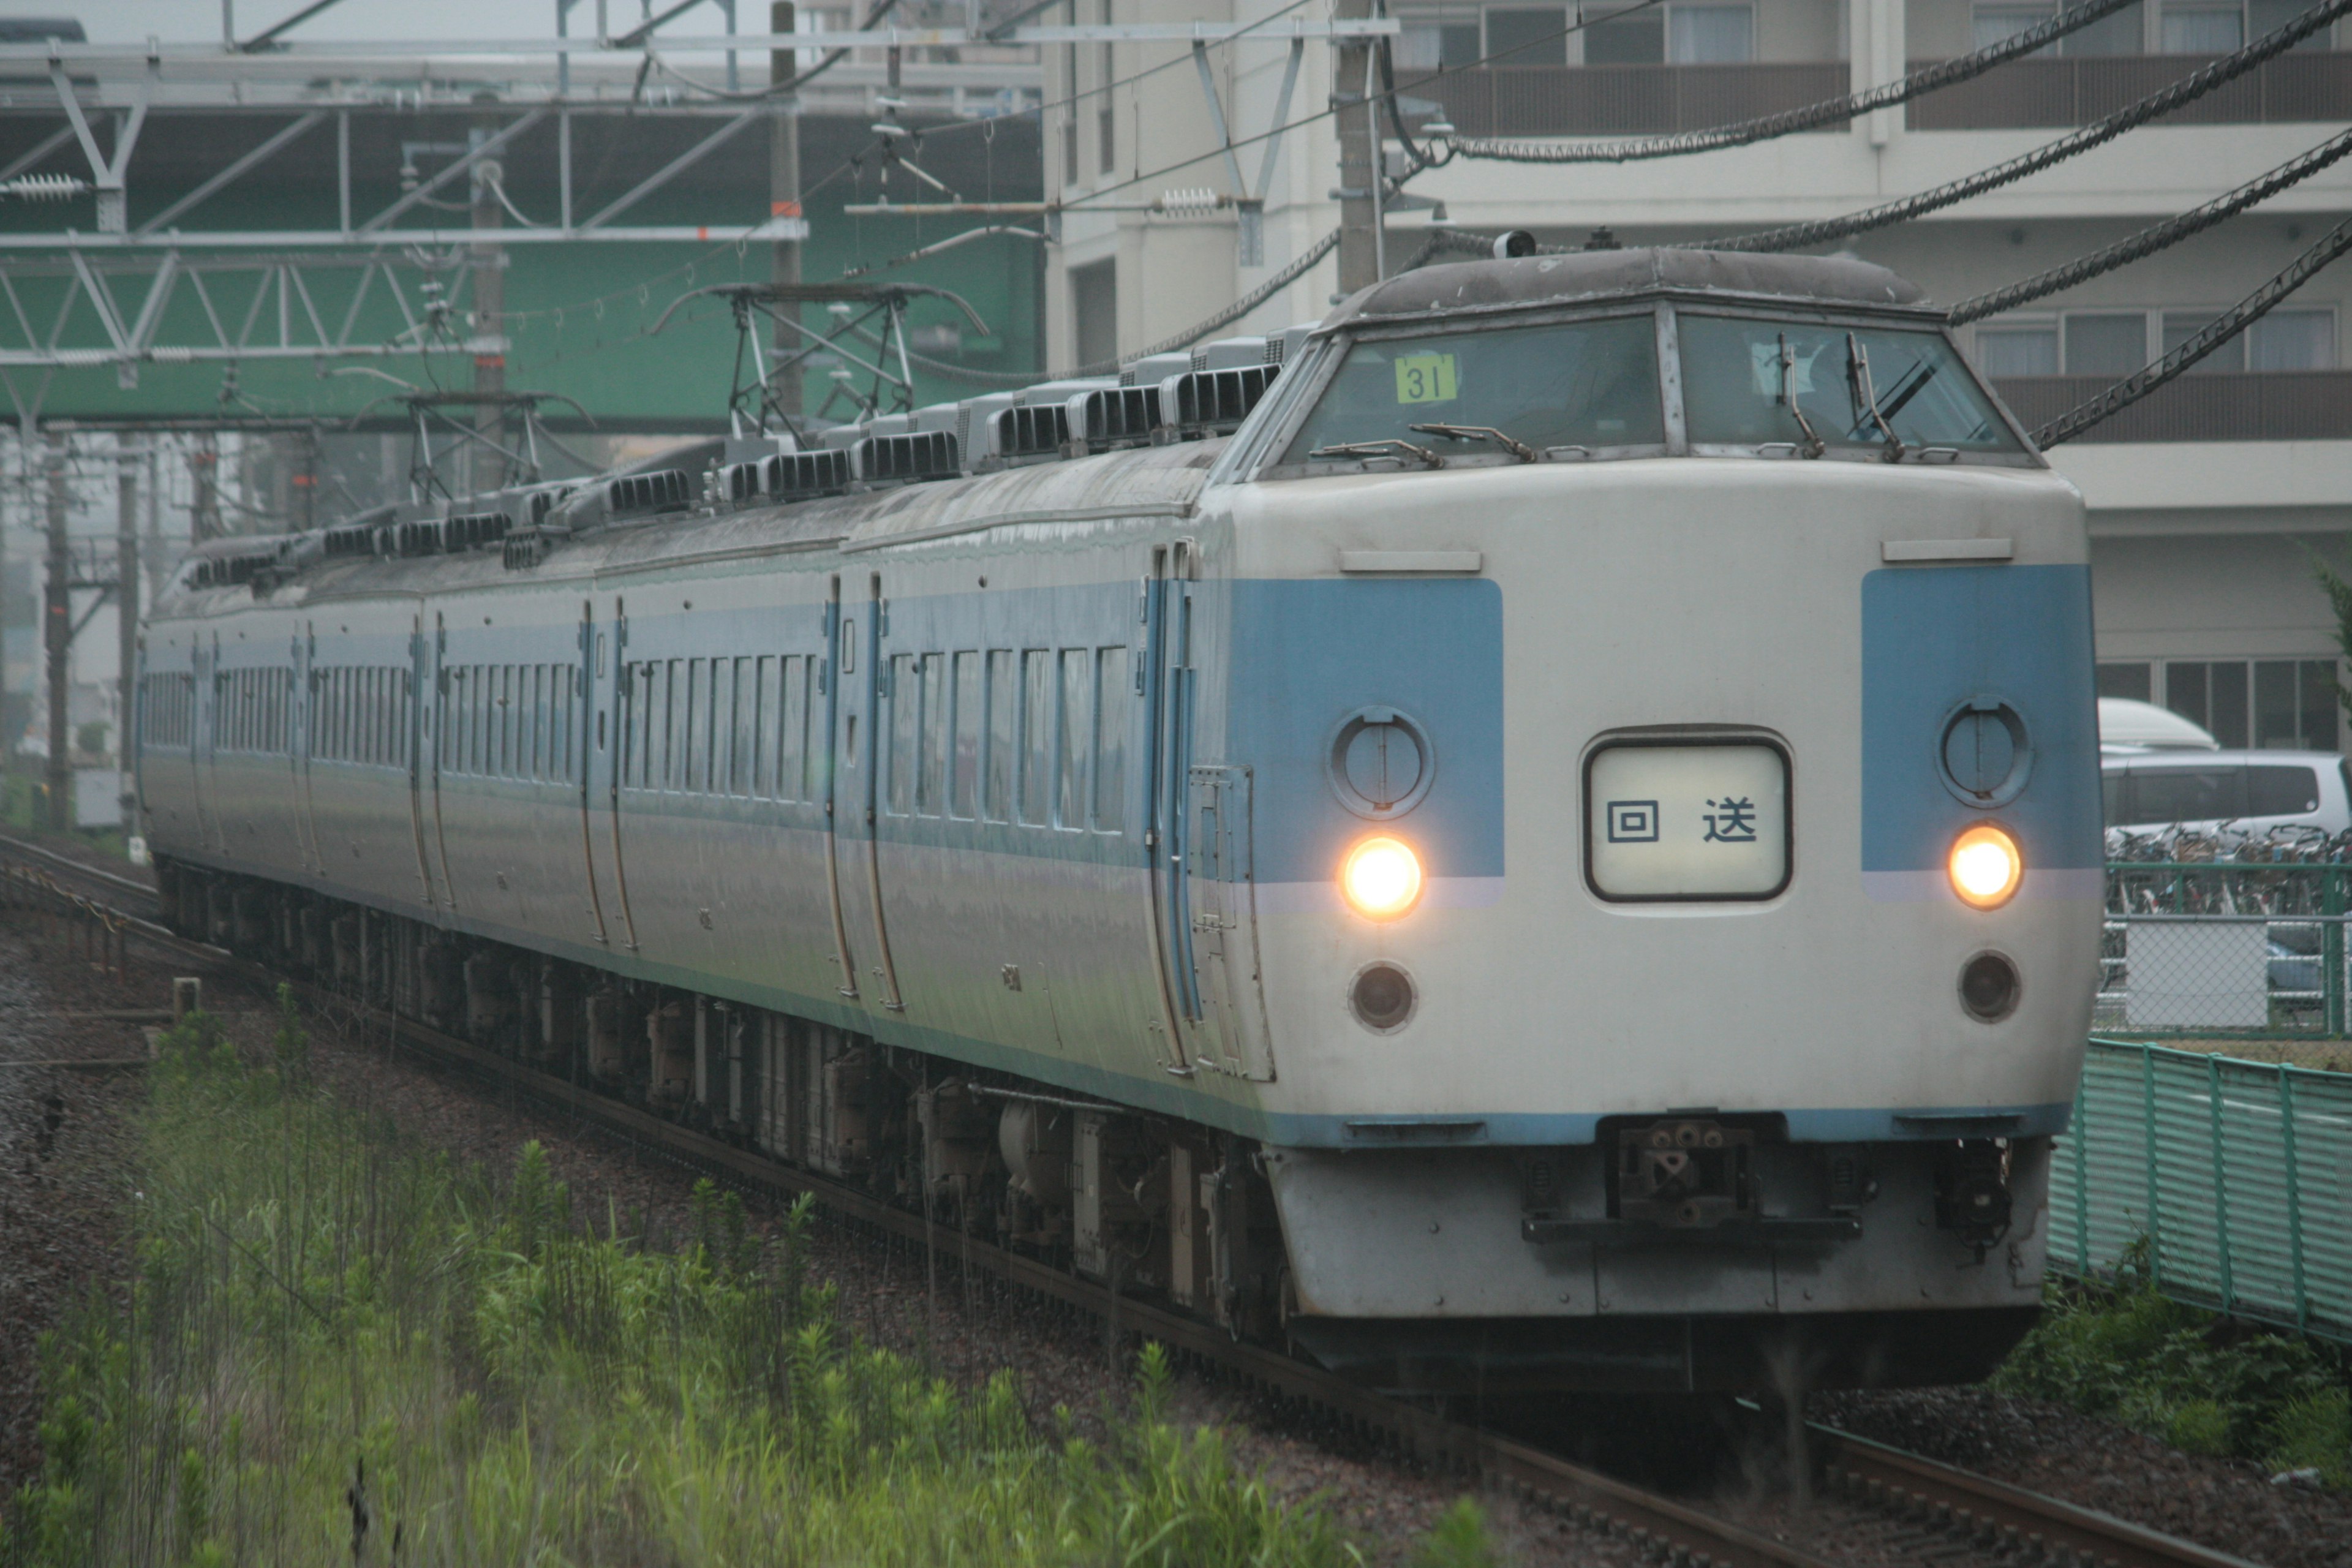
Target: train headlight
point(1986, 866)
point(1381, 879)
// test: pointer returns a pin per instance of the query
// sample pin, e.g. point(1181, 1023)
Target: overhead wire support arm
point(267, 39)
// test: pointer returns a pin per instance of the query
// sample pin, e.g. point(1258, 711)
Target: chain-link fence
point(2224, 949)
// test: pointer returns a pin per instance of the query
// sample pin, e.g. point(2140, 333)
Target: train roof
point(1145, 481)
point(1529, 281)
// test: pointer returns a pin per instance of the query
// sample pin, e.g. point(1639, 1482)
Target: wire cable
point(2156, 237)
point(1234, 313)
point(2164, 100)
point(1764, 128)
point(2217, 332)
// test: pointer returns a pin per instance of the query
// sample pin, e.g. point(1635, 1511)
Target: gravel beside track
point(2228, 1505)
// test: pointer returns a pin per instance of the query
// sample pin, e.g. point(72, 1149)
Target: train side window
point(964, 799)
point(660, 745)
point(1073, 730)
point(791, 763)
point(766, 700)
point(747, 716)
point(1111, 692)
point(1036, 735)
point(697, 746)
point(930, 784)
point(997, 765)
point(906, 695)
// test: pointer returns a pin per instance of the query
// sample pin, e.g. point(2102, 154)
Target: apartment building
point(2207, 500)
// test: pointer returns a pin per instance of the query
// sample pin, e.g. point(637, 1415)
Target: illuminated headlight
point(1381, 879)
point(1986, 866)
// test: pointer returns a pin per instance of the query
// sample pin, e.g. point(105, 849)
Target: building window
point(2119, 32)
point(2135, 679)
point(1439, 36)
point(1710, 35)
point(2103, 343)
point(2292, 339)
point(1093, 311)
point(2200, 29)
point(1527, 35)
point(2271, 704)
point(2022, 350)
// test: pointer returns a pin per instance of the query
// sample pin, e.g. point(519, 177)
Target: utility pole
point(126, 612)
point(784, 197)
point(1359, 154)
point(203, 475)
point(483, 467)
point(57, 629)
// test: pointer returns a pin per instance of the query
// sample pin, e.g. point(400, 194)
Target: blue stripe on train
point(1935, 636)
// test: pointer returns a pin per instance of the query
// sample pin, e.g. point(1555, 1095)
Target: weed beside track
point(340, 1342)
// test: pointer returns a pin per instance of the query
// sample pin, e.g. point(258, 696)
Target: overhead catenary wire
point(2217, 332)
point(1787, 121)
point(2156, 237)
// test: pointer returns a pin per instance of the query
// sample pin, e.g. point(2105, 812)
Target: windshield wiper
point(1511, 444)
point(1814, 445)
point(1388, 447)
point(1865, 397)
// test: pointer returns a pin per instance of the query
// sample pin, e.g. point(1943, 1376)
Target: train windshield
point(1588, 384)
point(1753, 383)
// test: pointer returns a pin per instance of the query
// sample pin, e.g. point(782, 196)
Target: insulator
point(45, 187)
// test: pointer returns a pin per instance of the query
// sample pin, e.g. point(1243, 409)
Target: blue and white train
point(1542, 832)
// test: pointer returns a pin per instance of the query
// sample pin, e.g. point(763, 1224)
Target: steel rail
point(1997, 1515)
point(2021, 1526)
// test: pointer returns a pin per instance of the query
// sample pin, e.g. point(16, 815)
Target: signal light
point(1986, 866)
point(1381, 879)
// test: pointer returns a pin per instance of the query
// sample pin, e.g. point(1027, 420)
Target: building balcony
point(2265, 405)
point(1660, 100)
point(2076, 90)
point(1623, 100)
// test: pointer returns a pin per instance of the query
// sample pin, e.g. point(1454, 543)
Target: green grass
point(339, 1345)
point(2201, 1382)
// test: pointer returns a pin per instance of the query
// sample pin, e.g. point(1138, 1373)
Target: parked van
point(2250, 791)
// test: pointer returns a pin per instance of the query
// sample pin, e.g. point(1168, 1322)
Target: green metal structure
point(2238, 1174)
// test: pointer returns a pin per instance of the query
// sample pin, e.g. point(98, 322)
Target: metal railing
point(2236, 1174)
point(2076, 90)
point(2224, 405)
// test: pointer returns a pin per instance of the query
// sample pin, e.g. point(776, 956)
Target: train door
point(1222, 908)
point(411, 735)
point(297, 750)
point(436, 720)
point(617, 747)
point(855, 709)
point(1164, 686)
point(849, 690)
point(592, 724)
point(200, 747)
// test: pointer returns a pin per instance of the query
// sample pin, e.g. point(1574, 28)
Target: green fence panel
point(2239, 1175)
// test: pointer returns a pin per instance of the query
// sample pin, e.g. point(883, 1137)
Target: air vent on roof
point(421, 537)
point(742, 482)
point(798, 476)
point(527, 547)
point(469, 531)
point(544, 501)
point(925, 455)
point(1213, 400)
point(1031, 430)
point(664, 489)
point(354, 539)
point(1114, 416)
point(230, 570)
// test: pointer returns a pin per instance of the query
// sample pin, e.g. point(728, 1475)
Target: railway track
point(1890, 1504)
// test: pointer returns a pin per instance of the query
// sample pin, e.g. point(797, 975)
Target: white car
point(2250, 791)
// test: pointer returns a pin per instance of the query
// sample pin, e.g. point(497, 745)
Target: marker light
point(1381, 879)
point(1986, 866)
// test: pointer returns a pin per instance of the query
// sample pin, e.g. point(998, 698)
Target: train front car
point(1663, 682)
